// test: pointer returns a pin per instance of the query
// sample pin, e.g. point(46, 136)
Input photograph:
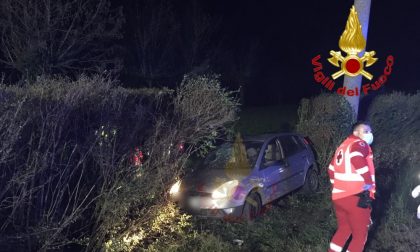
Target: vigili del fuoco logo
point(352, 43)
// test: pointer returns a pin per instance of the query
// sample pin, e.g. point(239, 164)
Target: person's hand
point(371, 189)
point(372, 194)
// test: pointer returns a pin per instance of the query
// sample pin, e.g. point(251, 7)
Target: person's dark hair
point(358, 123)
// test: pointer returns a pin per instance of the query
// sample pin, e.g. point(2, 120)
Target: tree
point(240, 61)
point(155, 39)
point(58, 36)
point(245, 65)
point(169, 42)
point(199, 44)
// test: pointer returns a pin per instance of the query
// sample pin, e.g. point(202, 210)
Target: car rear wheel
point(311, 182)
point(252, 207)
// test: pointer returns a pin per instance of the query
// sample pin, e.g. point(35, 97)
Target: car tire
point(252, 207)
point(311, 184)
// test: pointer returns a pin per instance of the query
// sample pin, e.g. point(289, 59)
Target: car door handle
point(281, 170)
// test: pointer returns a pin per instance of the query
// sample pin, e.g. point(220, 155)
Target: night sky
point(286, 35)
point(293, 32)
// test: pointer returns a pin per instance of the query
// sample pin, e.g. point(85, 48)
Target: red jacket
point(351, 168)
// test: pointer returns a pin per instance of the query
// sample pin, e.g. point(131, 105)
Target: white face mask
point(368, 138)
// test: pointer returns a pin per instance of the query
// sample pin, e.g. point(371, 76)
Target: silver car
point(239, 177)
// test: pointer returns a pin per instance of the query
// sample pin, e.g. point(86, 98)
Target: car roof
point(264, 137)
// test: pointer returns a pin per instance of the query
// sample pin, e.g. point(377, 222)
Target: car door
point(271, 169)
point(295, 161)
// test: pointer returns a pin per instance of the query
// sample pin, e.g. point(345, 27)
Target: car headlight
point(225, 190)
point(175, 188)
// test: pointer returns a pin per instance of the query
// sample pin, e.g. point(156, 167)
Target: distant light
point(416, 192)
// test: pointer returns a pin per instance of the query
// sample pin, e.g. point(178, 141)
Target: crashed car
point(239, 177)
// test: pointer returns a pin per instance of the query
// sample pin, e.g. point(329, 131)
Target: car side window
point(272, 154)
point(290, 145)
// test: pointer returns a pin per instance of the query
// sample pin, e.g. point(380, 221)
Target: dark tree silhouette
point(58, 36)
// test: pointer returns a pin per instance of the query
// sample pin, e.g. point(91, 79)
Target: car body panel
point(272, 174)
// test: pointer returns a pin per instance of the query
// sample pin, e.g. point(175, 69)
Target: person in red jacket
point(352, 175)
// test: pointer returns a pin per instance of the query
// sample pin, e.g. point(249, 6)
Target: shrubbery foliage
point(65, 148)
point(327, 120)
point(395, 119)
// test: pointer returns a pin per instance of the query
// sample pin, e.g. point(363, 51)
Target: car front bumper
point(233, 213)
point(203, 205)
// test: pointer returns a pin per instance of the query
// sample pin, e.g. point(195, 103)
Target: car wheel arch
point(255, 190)
point(312, 169)
point(257, 193)
point(315, 167)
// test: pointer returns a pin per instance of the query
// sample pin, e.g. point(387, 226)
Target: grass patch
point(295, 223)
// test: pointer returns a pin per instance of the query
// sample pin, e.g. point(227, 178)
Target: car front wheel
point(252, 207)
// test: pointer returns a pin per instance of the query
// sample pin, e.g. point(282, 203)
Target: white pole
point(363, 11)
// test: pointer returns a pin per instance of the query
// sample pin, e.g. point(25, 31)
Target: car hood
point(206, 180)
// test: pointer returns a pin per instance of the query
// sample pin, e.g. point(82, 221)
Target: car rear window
point(291, 145)
point(299, 140)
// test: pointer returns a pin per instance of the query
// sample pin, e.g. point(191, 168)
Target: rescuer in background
point(352, 175)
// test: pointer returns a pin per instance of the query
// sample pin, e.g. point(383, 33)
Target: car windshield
point(237, 155)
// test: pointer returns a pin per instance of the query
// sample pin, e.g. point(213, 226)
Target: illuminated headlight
point(175, 188)
point(225, 190)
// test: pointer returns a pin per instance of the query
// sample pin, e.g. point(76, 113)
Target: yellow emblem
point(352, 42)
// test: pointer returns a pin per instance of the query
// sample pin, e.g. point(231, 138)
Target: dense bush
point(64, 157)
point(326, 119)
point(197, 115)
point(62, 143)
point(395, 120)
